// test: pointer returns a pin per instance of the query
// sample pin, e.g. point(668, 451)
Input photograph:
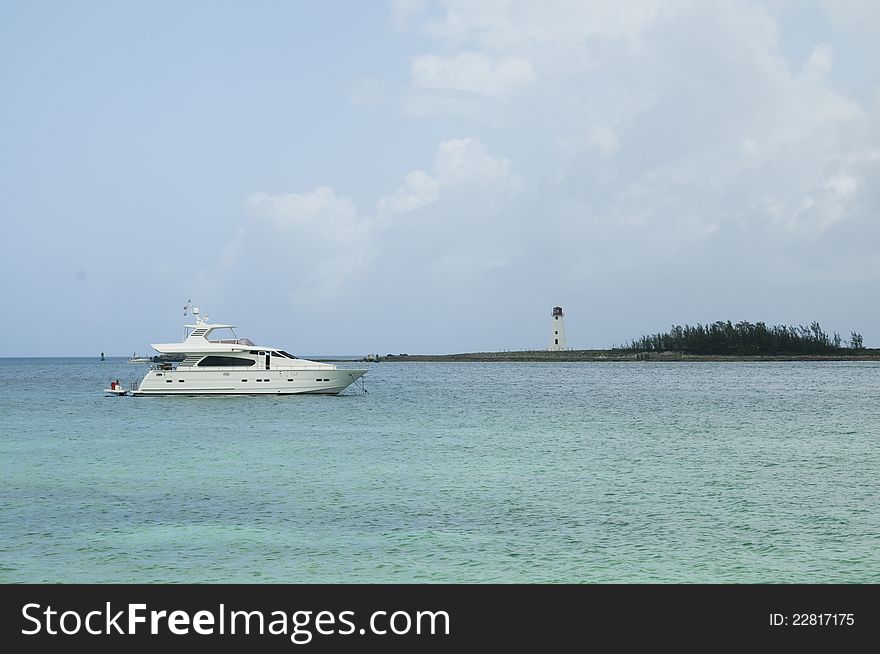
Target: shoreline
point(611, 356)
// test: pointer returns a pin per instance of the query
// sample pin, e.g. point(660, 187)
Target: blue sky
point(345, 177)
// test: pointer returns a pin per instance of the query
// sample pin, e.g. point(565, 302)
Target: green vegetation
point(744, 339)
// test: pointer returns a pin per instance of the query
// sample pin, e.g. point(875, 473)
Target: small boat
point(136, 359)
point(116, 389)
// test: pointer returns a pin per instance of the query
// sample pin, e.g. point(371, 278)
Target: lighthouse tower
point(557, 334)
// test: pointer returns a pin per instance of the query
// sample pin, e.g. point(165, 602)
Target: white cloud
point(315, 240)
point(819, 63)
point(405, 11)
point(842, 185)
point(320, 212)
point(855, 18)
point(472, 72)
point(458, 163)
point(419, 190)
point(505, 24)
point(603, 139)
point(466, 161)
point(321, 244)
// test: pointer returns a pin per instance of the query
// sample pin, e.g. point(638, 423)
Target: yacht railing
point(245, 369)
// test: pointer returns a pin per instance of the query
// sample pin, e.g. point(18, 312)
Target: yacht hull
point(248, 382)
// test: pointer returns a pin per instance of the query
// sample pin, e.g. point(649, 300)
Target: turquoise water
point(476, 472)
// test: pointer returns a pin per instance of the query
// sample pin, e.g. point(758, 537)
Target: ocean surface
point(446, 472)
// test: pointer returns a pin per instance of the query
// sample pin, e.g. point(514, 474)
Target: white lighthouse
point(557, 335)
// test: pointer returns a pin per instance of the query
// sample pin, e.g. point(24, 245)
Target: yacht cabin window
point(218, 361)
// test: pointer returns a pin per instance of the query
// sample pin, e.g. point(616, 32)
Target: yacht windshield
point(225, 335)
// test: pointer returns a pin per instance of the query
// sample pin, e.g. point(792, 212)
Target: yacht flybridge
point(235, 366)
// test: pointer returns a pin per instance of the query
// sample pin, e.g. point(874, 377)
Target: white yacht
point(136, 359)
point(235, 366)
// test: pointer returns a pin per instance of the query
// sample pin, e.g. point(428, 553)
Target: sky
point(431, 177)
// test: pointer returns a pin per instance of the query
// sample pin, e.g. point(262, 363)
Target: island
point(718, 341)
